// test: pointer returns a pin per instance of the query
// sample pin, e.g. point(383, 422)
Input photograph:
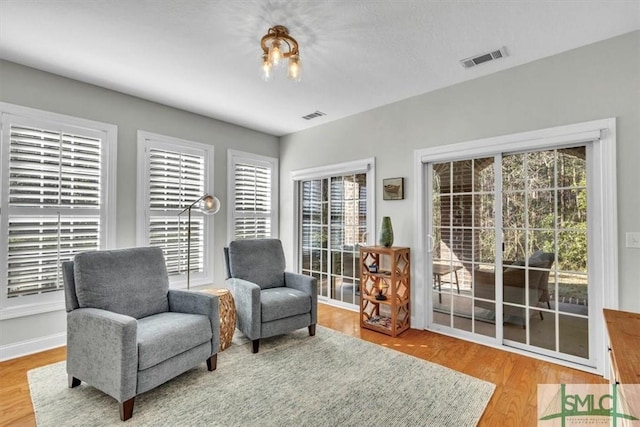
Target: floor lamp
point(208, 205)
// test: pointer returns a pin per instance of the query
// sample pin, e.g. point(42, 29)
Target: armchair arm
point(198, 303)
point(247, 298)
point(102, 350)
point(305, 284)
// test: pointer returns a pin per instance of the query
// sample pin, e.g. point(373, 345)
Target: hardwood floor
point(514, 402)
point(516, 377)
point(15, 400)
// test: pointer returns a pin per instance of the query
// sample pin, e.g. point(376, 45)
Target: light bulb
point(295, 69)
point(209, 205)
point(275, 54)
point(266, 68)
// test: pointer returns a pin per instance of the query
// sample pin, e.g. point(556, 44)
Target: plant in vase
point(386, 232)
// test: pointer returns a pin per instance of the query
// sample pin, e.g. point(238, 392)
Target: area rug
point(295, 380)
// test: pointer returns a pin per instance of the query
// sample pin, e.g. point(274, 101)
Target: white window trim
point(149, 139)
point(367, 166)
point(235, 156)
point(53, 301)
point(603, 187)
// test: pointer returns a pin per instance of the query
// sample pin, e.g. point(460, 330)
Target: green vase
point(386, 232)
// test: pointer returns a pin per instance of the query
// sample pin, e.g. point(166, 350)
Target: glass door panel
point(464, 245)
point(334, 224)
point(545, 289)
point(315, 233)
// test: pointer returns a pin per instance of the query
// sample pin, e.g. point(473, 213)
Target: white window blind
point(37, 246)
point(253, 203)
point(176, 179)
point(54, 207)
point(172, 174)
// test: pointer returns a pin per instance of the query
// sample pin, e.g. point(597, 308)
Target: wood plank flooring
point(516, 377)
point(15, 400)
point(514, 402)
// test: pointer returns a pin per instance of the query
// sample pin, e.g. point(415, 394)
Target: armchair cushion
point(132, 281)
point(539, 259)
point(278, 303)
point(258, 261)
point(165, 335)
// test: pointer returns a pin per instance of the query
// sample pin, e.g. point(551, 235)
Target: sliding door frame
point(367, 166)
point(603, 237)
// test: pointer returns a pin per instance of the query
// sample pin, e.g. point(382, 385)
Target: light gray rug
point(295, 380)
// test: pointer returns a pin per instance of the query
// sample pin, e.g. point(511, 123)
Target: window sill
point(30, 309)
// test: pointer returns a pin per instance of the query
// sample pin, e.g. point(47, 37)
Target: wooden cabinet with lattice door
point(385, 284)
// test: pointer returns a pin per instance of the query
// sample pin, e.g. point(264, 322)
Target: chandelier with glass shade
point(278, 45)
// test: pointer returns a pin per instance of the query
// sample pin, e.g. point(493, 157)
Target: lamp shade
point(209, 205)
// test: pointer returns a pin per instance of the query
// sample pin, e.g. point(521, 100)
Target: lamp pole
point(189, 246)
point(212, 205)
point(188, 210)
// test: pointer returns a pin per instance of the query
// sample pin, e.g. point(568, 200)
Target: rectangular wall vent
point(314, 115)
point(483, 57)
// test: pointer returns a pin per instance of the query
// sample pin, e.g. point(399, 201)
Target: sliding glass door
point(464, 251)
point(544, 224)
point(334, 219)
point(510, 252)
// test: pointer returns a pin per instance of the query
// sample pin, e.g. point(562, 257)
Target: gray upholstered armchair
point(127, 332)
point(269, 301)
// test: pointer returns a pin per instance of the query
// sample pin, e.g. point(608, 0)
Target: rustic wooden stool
point(227, 315)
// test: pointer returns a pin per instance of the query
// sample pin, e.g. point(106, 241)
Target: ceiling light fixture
point(277, 45)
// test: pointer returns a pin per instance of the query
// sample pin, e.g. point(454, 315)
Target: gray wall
point(36, 89)
point(593, 82)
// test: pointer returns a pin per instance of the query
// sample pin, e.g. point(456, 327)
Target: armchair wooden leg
point(73, 382)
point(312, 330)
point(256, 345)
point(126, 409)
point(212, 362)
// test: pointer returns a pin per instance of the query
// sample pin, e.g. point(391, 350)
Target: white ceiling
point(204, 56)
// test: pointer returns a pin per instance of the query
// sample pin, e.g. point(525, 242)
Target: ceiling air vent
point(314, 115)
point(483, 57)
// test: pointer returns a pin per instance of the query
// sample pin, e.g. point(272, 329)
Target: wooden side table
point(227, 315)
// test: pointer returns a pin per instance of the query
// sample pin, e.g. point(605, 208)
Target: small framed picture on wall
point(393, 189)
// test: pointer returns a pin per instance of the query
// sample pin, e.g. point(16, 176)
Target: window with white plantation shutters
point(51, 175)
point(253, 196)
point(54, 195)
point(175, 180)
point(174, 174)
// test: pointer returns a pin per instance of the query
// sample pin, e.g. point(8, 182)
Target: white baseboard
point(35, 345)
